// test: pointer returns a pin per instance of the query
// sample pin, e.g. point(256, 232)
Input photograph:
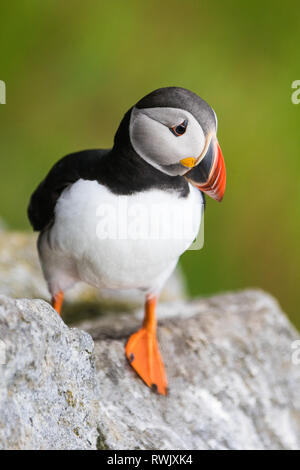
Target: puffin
point(120, 218)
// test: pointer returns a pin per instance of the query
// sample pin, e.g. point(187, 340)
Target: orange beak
point(210, 174)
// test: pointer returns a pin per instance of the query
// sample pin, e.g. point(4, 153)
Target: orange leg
point(57, 301)
point(143, 353)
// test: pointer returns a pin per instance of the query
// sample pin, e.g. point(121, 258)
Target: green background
point(72, 69)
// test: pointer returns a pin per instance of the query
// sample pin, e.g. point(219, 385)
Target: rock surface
point(233, 384)
point(47, 380)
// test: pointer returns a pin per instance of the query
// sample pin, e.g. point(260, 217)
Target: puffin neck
point(125, 172)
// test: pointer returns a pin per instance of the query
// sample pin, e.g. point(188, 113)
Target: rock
point(48, 386)
point(21, 276)
point(233, 384)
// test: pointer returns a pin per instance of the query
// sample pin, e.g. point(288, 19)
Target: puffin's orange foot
point(57, 302)
point(143, 354)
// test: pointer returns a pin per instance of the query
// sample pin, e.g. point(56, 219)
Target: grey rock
point(48, 389)
point(233, 384)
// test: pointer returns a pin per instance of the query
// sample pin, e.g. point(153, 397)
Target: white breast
point(120, 242)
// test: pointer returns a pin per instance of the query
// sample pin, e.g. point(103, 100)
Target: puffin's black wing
point(66, 171)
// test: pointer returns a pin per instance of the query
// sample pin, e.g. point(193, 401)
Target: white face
point(152, 138)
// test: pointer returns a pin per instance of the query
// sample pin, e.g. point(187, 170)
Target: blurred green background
point(72, 69)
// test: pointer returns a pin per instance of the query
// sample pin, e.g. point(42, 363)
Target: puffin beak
point(210, 174)
point(188, 162)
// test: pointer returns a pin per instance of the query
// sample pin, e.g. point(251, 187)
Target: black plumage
point(120, 169)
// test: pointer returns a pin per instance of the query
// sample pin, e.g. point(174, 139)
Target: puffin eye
point(180, 129)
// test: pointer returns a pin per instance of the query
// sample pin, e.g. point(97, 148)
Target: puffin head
point(174, 130)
